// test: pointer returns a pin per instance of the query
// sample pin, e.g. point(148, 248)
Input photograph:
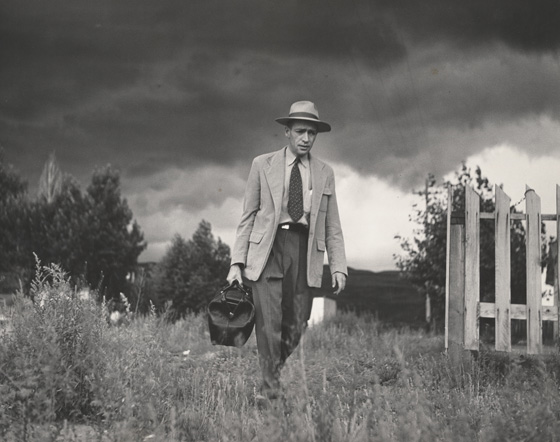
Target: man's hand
point(338, 282)
point(234, 274)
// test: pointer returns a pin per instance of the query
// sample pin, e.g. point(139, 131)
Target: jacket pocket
point(256, 237)
point(324, 201)
point(321, 245)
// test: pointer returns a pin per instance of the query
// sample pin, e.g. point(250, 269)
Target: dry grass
point(66, 374)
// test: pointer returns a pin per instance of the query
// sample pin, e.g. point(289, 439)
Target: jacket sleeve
point(251, 205)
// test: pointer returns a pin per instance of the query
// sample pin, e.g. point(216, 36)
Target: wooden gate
point(463, 305)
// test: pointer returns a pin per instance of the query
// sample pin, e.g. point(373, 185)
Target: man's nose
point(305, 136)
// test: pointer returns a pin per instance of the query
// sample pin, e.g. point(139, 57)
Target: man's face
point(301, 135)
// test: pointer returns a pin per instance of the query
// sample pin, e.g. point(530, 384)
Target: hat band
point(303, 115)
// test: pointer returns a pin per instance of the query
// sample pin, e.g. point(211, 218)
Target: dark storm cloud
point(147, 85)
point(529, 26)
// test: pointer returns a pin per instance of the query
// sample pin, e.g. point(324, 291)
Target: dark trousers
point(282, 302)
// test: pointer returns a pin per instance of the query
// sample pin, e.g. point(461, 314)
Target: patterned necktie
point(295, 193)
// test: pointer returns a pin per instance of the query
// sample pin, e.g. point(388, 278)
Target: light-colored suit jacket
point(261, 214)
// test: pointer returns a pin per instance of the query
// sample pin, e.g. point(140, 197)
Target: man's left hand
point(338, 282)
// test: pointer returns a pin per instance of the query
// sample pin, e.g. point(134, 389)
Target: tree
point(14, 219)
point(50, 183)
point(60, 227)
point(424, 257)
point(92, 236)
point(112, 240)
point(11, 185)
point(191, 271)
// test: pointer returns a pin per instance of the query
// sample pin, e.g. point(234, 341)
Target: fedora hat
point(305, 111)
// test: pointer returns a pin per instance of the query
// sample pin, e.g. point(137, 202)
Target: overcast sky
point(181, 95)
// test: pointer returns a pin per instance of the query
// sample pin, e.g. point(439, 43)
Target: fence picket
point(534, 290)
point(503, 271)
point(472, 268)
point(448, 261)
point(464, 308)
point(557, 272)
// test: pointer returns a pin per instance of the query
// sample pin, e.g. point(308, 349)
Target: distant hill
point(386, 294)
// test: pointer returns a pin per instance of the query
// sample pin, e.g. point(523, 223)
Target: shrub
point(351, 379)
point(53, 358)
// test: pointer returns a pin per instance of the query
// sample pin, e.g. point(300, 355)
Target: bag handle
point(235, 284)
point(246, 296)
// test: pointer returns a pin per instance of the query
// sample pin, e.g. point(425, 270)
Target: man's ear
point(287, 131)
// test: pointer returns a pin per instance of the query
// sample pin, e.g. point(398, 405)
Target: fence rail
point(463, 306)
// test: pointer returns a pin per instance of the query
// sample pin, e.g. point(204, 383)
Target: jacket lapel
point(318, 181)
point(274, 173)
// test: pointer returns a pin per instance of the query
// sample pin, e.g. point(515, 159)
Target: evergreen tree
point(191, 271)
point(91, 235)
point(14, 220)
point(50, 183)
point(113, 240)
point(60, 227)
point(11, 185)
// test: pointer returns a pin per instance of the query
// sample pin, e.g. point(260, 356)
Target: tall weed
point(53, 357)
point(350, 380)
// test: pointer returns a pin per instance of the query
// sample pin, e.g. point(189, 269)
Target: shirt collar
point(290, 158)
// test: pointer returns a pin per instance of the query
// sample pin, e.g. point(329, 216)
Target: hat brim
point(321, 125)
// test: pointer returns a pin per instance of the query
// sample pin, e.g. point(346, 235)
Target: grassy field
point(66, 374)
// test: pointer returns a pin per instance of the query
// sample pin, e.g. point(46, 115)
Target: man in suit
point(290, 217)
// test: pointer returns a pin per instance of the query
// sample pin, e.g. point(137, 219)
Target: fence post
point(455, 287)
point(448, 263)
point(534, 289)
point(503, 271)
point(472, 268)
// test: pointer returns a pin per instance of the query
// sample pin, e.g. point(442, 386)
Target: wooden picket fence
point(463, 305)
